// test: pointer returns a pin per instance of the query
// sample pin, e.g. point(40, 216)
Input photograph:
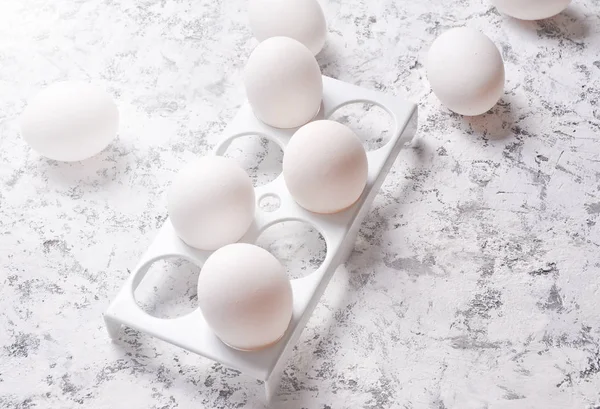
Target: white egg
point(325, 167)
point(211, 203)
point(531, 9)
point(245, 296)
point(302, 20)
point(70, 121)
point(283, 83)
point(466, 71)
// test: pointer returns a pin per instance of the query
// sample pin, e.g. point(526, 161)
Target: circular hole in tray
point(257, 155)
point(169, 288)
point(373, 124)
point(269, 202)
point(299, 246)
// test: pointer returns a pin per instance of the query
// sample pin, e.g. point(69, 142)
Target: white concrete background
point(475, 281)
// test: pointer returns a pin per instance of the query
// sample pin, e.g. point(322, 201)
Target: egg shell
point(211, 203)
point(325, 167)
point(70, 121)
point(302, 20)
point(531, 9)
point(245, 296)
point(466, 71)
point(283, 83)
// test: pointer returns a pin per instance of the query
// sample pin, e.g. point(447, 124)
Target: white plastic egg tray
point(339, 230)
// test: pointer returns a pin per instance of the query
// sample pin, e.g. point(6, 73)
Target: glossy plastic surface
point(339, 230)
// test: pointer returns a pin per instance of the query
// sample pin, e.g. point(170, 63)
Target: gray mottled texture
point(475, 281)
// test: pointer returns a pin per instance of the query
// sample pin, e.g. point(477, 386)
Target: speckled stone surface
point(475, 282)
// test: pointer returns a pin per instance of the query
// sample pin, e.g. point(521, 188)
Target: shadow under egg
point(496, 123)
point(100, 169)
point(569, 25)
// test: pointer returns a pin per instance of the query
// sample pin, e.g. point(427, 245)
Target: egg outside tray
point(339, 230)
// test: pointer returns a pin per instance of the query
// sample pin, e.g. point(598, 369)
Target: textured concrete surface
point(475, 280)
